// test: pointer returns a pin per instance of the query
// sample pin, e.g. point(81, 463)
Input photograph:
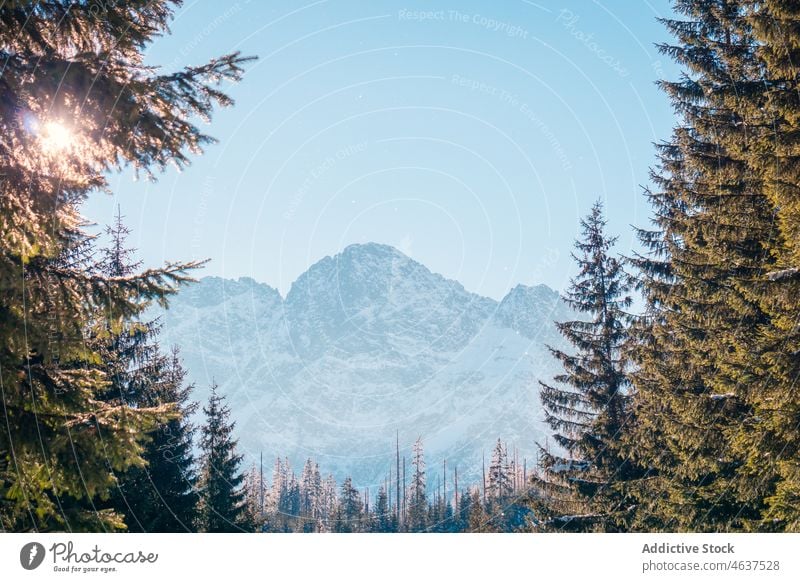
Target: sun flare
point(55, 137)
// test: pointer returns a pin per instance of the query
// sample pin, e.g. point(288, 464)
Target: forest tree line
point(682, 416)
point(313, 503)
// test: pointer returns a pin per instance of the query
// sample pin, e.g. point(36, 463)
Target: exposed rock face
point(365, 344)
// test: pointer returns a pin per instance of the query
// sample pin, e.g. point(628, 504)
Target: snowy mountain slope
point(365, 344)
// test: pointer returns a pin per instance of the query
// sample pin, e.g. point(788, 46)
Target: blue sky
point(470, 135)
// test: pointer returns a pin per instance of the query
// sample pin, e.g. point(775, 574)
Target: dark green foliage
point(76, 102)
point(776, 27)
point(688, 421)
point(704, 378)
point(222, 496)
point(161, 496)
point(500, 484)
point(580, 482)
point(65, 439)
point(384, 519)
point(478, 518)
point(463, 510)
point(350, 510)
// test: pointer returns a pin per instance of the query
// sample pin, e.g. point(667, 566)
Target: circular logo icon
point(31, 555)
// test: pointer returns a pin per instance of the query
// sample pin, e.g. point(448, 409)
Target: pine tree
point(221, 507)
point(292, 502)
point(463, 507)
point(449, 524)
point(329, 504)
point(440, 514)
point(587, 408)
point(310, 496)
point(500, 484)
point(278, 490)
point(700, 376)
point(276, 502)
point(776, 405)
point(253, 494)
point(318, 510)
point(60, 142)
point(384, 521)
point(286, 499)
point(478, 519)
point(418, 500)
point(350, 508)
point(161, 496)
point(129, 349)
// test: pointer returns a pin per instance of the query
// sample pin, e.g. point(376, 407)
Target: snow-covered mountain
point(366, 344)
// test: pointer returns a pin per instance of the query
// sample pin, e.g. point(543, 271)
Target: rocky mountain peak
point(366, 343)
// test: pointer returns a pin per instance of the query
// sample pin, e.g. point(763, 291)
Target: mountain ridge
point(366, 343)
point(243, 280)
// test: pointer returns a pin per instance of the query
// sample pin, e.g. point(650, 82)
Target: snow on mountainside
point(365, 344)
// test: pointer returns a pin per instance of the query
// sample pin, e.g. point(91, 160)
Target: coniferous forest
point(679, 414)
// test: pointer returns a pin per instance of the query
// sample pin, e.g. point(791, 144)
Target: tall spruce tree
point(776, 27)
point(253, 498)
point(78, 103)
point(222, 496)
point(578, 486)
point(292, 503)
point(418, 500)
point(350, 509)
point(701, 372)
point(328, 504)
point(162, 496)
point(128, 346)
point(500, 483)
point(310, 496)
point(384, 521)
point(478, 520)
